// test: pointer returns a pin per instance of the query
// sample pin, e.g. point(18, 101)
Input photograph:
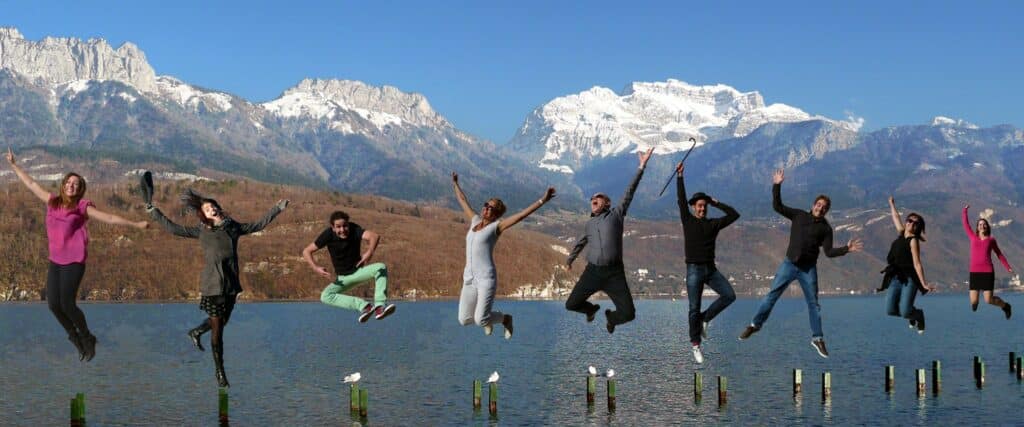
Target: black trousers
point(62, 282)
point(610, 279)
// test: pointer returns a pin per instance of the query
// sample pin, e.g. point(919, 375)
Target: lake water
point(285, 362)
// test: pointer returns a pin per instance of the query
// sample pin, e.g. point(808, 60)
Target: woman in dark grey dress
point(218, 236)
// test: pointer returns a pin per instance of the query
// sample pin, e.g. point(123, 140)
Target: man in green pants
point(343, 240)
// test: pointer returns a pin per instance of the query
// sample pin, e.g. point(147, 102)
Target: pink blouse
point(67, 233)
point(981, 250)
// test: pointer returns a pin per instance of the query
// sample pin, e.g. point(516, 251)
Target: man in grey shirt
point(604, 271)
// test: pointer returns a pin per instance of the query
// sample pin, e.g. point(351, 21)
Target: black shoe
point(593, 313)
point(218, 365)
point(146, 185)
point(920, 322)
point(89, 346)
point(222, 380)
point(194, 335)
point(78, 345)
point(974, 307)
point(913, 323)
point(750, 330)
point(609, 325)
point(819, 345)
point(1007, 310)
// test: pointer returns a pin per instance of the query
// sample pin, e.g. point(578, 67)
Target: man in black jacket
point(700, 233)
point(810, 230)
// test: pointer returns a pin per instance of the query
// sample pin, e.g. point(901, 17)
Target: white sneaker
point(697, 355)
point(488, 329)
point(704, 329)
point(507, 323)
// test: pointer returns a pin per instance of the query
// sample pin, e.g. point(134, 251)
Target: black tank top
point(901, 258)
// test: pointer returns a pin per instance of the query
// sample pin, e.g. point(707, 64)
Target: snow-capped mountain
point(943, 121)
point(89, 96)
point(569, 131)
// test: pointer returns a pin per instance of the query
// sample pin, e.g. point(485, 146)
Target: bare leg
point(974, 300)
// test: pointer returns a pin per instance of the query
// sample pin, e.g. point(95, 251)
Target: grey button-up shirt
point(604, 231)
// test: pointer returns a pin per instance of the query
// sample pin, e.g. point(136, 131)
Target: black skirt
point(218, 305)
point(983, 281)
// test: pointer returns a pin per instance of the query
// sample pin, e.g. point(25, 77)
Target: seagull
point(592, 371)
point(610, 373)
point(494, 377)
point(353, 378)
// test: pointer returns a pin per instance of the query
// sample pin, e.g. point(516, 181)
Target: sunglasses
point(490, 206)
point(912, 221)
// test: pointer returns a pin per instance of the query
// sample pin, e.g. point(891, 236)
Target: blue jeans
point(808, 278)
point(899, 301)
point(696, 276)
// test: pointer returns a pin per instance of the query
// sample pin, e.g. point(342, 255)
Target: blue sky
point(487, 64)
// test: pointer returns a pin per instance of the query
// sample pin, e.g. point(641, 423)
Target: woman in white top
point(479, 279)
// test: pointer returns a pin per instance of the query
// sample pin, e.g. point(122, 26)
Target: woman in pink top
point(983, 274)
point(66, 217)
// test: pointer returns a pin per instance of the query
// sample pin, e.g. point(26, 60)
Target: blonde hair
point(499, 206)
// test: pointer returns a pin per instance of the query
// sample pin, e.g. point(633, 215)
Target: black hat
point(698, 196)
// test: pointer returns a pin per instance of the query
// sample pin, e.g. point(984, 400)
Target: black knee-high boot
point(218, 363)
point(77, 341)
point(197, 332)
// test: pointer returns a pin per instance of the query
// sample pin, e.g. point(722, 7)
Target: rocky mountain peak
point(319, 98)
point(58, 60)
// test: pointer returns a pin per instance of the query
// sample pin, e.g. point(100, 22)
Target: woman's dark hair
point(918, 228)
point(62, 201)
point(194, 201)
point(977, 230)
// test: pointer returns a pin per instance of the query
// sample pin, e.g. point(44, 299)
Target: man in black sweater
point(810, 230)
point(699, 233)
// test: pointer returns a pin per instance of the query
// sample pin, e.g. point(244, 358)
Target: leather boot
point(197, 332)
point(218, 364)
point(89, 346)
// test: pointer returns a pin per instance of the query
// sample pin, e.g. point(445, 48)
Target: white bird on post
point(592, 371)
point(610, 373)
point(353, 378)
point(494, 377)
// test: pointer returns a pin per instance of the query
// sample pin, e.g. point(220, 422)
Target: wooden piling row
point(611, 395)
point(222, 404)
point(1020, 368)
point(477, 394)
point(936, 377)
point(826, 386)
point(698, 385)
point(798, 380)
point(722, 390)
point(492, 398)
point(364, 403)
point(921, 386)
point(353, 398)
point(78, 410)
point(591, 390)
point(1013, 361)
point(890, 378)
point(979, 372)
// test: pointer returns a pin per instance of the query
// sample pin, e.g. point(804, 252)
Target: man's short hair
point(336, 215)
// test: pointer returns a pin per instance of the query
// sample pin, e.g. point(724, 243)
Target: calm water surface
point(285, 362)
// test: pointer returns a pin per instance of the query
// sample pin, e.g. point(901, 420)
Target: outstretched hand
point(548, 195)
point(455, 178)
point(10, 156)
point(645, 156)
point(892, 201)
point(855, 245)
point(322, 271)
point(679, 169)
point(967, 205)
point(283, 203)
point(778, 176)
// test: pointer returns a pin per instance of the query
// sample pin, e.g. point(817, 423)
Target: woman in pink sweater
point(66, 216)
point(983, 274)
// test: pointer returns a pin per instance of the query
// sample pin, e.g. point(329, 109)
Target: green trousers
point(332, 294)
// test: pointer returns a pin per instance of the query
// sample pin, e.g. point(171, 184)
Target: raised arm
point(967, 223)
point(580, 244)
point(895, 215)
point(27, 179)
point(915, 250)
point(627, 198)
point(113, 219)
point(853, 245)
point(519, 216)
point(777, 178)
point(999, 254)
point(461, 197)
point(253, 227)
point(731, 214)
point(170, 226)
point(684, 209)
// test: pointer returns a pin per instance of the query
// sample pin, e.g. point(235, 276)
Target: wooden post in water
point(826, 386)
point(364, 403)
point(698, 385)
point(591, 390)
point(980, 380)
point(890, 378)
point(920, 382)
point(75, 420)
point(353, 398)
point(977, 369)
point(936, 377)
point(222, 404)
point(722, 390)
point(492, 398)
point(477, 394)
point(1020, 368)
point(611, 395)
point(798, 381)
point(1013, 359)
